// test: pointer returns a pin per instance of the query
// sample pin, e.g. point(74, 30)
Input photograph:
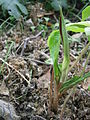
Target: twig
point(73, 56)
point(12, 83)
point(16, 71)
point(45, 55)
point(37, 35)
point(37, 61)
point(39, 117)
point(19, 47)
point(26, 41)
point(76, 16)
point(55, 18)
point(24, 47)
point(79, 57)
point(86, 62)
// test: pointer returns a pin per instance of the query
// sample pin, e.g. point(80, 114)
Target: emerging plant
point(59, 72)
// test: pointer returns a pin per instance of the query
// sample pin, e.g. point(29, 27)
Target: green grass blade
point(73, 81)
point(6, 57)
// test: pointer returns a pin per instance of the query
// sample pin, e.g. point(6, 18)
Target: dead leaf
point(17, 39)
point(86, 84)
point(3, 89)
point(77, 35)
point(43, 81)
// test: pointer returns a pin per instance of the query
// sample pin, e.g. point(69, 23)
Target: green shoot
point(60, 76)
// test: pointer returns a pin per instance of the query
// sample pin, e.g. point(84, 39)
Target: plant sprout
point(59, 71)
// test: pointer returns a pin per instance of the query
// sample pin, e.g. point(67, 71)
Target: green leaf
point(14, 7)
point(57, 3)
point(87, 31)
point(89, 87)
point(77, 27)
point(73, 81)
point(86, 13)
point(60, 66)
point(22, 8)
point(54, 46)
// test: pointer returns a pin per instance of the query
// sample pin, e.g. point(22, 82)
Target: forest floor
point(23, 53)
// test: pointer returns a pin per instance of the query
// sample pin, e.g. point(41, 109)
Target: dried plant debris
point(3, 89)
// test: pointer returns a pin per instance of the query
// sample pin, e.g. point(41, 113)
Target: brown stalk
point(53, 102)
point(54, 96)
point(51, 87)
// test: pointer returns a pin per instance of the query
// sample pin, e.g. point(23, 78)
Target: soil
point(31, 102)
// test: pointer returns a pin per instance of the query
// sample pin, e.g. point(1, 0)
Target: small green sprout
point(60, 77)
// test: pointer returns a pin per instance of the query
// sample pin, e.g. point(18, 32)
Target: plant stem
point(83, 8)
point(86, 62)
point(79, 57)
point(53, 97)
point(51, 88)
point(76, 16)
point(55, 101)
point(65, 41)
point(4, 22)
